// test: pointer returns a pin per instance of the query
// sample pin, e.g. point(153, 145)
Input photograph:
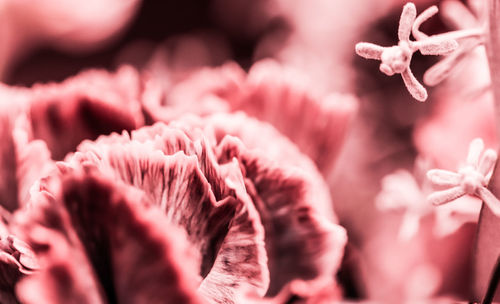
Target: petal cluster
point(245, 216)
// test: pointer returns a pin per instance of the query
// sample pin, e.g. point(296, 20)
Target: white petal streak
point(406, 22)
point(490, 200)
point(445, 196)
point(476, 147)
point(424, 16)
point(409, 226)
point(414, 87)
point(369, 50)
point(487, 162)
point(440, 177)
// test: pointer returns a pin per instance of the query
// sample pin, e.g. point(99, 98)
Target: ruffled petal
point(212, 185)
point(84, 107)
point(16, 260)
point(98, 243)
point(296, 234)
point(269, 92)
point(290, 195)
point(316, 124)
point(8, 166)
point(227, 231)
point(256, 135)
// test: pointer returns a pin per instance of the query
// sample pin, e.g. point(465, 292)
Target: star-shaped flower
point(401, 191)
point(397, 58)
point(406, 192)
point(472, 179)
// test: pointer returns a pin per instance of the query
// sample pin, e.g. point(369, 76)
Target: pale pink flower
point(396, 59)
point(246, 216)
point(407, 192)
point(471, 179)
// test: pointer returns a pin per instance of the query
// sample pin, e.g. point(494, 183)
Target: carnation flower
point(246, 217)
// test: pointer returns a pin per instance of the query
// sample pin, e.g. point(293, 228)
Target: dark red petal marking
point(121, 250)
point(22, 162)
point(225, 228)
point(84, 107)
point(8, 166)
point(296, 233)
point(256, 136)
point(291, 197)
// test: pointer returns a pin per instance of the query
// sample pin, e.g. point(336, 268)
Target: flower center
point(397, 57)
point(471, 179)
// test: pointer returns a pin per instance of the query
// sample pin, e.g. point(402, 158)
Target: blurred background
point(53, 40)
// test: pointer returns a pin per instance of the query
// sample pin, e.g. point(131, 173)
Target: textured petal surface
point(436, 46)
point(406, 21)
point(369, 50)
point(414, 87)
point(88, 258)
point(445, 196)
point(8, 166)
point(295, 233)
point(84, 107)
point(16, 260)
point(22, 161)
point(443, 177)
point(218, 216)
point(316, 123)
point(292, 201)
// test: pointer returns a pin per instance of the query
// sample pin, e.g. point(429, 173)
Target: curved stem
point(493, 49)
point(492, 287)
point(478, 32)
point(487, 249)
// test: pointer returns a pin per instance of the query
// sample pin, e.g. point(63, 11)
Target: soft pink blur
point(301, 113)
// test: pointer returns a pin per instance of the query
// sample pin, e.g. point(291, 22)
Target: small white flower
point(456, 44)
point(396, 59)
point(472, 179)
point(400, 191)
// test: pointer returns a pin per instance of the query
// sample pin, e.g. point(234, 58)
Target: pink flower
point(245, 216)
point(317, 123)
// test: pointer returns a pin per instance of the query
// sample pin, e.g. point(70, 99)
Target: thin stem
point(492, 286)
point(493, 49)
point(484, 254)
point(478, 32)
